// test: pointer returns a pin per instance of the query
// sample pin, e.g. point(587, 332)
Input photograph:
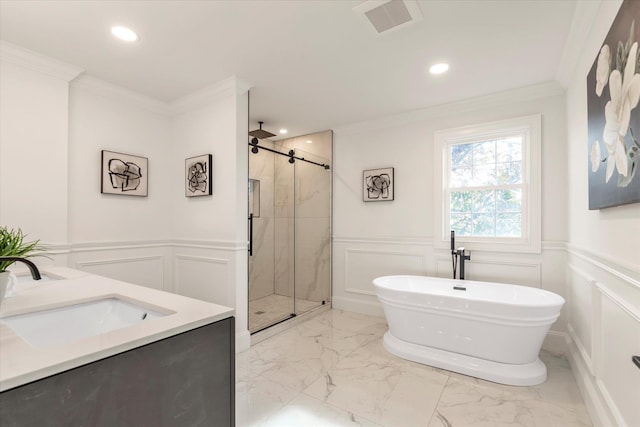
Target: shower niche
point(289, 227)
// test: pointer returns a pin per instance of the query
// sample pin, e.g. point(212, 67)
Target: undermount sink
point(70, 323)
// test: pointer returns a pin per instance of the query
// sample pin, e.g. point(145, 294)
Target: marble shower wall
point(261, 264)
point(284, 226)
point(291, 240)
point(312, 225)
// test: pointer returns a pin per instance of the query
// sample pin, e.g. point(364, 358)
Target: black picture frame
point(198, 176)
point(124, 174)
point(378, 185)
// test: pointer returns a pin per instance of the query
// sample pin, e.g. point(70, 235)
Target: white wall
point(101, 120)
point(121, 237)
point(211, 231)
point(52, 135)
point(599, 231)
point(33, 144)
point(374, 239)
point(603, 265)
point(206, 129)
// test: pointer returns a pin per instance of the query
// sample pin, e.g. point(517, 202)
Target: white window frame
point(531, 128)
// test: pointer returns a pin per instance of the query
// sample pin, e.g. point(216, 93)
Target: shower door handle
point(251, 234)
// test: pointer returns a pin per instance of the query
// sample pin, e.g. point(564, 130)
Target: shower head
point(260, 133)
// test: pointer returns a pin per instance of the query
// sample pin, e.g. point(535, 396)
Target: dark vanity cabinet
point(184, 380)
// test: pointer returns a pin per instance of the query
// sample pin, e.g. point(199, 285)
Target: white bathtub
point(492, 331)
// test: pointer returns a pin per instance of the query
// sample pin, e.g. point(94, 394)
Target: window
point(488, 185)
point(485, 187)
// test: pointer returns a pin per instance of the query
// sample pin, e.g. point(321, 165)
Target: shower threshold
point(273, 309)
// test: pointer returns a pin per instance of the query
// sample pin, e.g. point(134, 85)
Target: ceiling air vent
point(387, 15)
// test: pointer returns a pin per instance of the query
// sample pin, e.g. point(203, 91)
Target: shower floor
point(274, 308)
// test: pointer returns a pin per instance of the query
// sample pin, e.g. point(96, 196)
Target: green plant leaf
point(12, 244)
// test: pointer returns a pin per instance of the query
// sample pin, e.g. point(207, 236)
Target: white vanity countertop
point(20, 363)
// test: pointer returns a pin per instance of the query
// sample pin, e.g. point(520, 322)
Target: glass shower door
point(270, 273)
point(312, 232)
point(290, 216)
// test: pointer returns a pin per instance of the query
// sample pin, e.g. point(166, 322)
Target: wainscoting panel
point(489, 269)
point(581, 312)
point(204, 278)
point(618, 378)
point(604, 333)
point(357, 261)
point(362, 266)
point(212, 270)
point(141, 270)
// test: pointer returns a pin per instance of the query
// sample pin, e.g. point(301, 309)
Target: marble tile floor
point(274, 308)
point(332, 370)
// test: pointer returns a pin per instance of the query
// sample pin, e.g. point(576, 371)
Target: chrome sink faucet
point(35, 273)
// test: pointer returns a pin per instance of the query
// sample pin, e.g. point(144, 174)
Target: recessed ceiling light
point(439, 68)
point(308, 141)
point(283, 131)
point(124, 33)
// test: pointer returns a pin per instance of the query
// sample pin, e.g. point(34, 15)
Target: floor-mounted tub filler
point(492, 331)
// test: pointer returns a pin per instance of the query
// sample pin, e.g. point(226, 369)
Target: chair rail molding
point(122, 260)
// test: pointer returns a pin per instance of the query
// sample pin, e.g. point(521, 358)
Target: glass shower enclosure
point(289, 228)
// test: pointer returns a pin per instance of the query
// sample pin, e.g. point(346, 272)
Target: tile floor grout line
point(324, 372)
point(337, 334)
point(364, 343)
point(435, 409)
point(340, 409)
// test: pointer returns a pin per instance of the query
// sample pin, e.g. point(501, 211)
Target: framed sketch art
point(377, 185)
point(124, 174)
point(613, 92)
point(198, 176)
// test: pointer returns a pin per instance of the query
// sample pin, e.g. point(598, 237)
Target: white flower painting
point(602, 73)
point(614, 116)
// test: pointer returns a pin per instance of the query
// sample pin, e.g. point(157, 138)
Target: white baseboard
point(595, 403)
point(357, 306)
point(243, 341)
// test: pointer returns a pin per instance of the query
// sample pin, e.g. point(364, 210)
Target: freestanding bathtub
point(492, 331)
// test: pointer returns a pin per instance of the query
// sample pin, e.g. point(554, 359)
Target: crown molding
point(37, 62)
point(118, 93)
point(242, 86)
point(583, 18)
point(189, 102)
point(205, 96)
point(525, 93)
point(70, 73)
point(594, 38)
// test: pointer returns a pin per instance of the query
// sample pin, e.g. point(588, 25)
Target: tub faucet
point(35, 273)
point(463, 258)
